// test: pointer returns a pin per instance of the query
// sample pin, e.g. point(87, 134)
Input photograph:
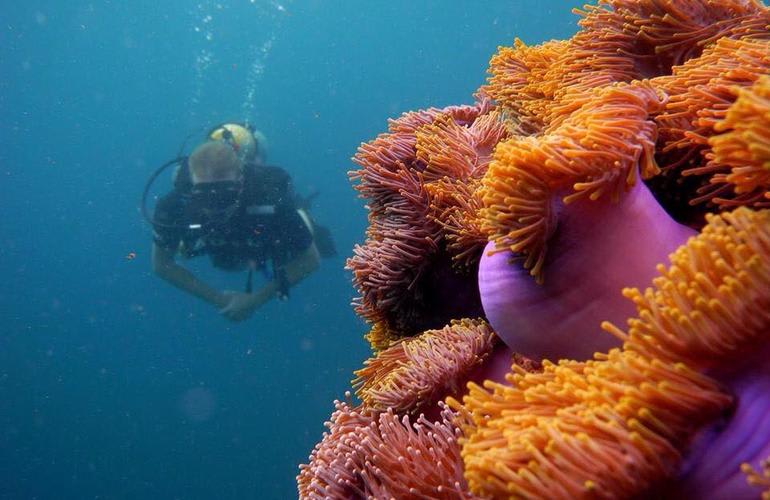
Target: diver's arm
point(303, 265)
point(296, 270)
point(164, 265)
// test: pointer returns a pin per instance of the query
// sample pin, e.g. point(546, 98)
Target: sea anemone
point(603, 140)
point(699, 94)
point(571, 200)
point(740, 156)
point(596, 152)
point(756, 478)
point(367, 454)
point(619, 41)
point(713, 303)
point(634, 410)
point(420, 238)
point(545, 209)
point(608, 428)
point(415, 372)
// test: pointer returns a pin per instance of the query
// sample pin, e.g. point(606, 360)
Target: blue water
point(113, 384)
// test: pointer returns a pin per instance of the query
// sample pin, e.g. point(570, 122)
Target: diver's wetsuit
point(265, 226)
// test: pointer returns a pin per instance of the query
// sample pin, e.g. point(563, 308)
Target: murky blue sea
point(115, 385)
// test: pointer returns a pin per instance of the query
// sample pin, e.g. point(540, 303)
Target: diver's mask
point(215, 202)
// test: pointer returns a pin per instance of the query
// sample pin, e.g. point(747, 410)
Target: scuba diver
point(228, 204)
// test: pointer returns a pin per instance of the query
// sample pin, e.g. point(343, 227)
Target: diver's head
point(214, 162)
point(250, 145)
point(216, 173)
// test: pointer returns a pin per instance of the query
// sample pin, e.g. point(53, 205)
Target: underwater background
point(113, 384)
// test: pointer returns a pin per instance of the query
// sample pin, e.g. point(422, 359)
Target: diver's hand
point(239, 306)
